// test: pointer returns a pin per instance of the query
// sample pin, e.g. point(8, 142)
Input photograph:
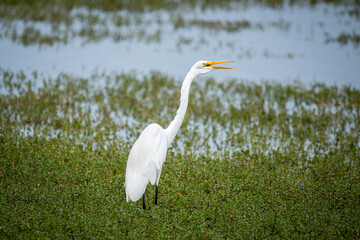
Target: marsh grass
point(251, 160)
point(48, 23)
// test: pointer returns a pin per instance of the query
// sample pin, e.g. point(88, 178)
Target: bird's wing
point(156, 162)
point(145, 160)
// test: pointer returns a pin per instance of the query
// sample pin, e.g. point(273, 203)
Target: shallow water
point(286, 44)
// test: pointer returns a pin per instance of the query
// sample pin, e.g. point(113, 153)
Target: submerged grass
point(49, 23)
point(251, 160)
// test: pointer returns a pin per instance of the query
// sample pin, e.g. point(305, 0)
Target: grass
point(52, 23)
point(251, 160)
point(345, 38)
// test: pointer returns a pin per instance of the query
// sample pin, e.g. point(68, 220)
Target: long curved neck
point(174, 126)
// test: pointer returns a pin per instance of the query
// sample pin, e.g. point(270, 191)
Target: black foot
point(156, 190)
point(144, 206)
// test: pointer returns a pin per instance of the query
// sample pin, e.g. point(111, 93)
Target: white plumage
point(145, 161)
point(149, 151)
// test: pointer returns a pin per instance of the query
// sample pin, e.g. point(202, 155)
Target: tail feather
point(135, 187)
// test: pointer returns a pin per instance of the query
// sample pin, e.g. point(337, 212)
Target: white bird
point(149, 151)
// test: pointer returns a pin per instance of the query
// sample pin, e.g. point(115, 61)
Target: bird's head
point(202, 67)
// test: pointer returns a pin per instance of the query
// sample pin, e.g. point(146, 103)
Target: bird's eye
point(206, 64)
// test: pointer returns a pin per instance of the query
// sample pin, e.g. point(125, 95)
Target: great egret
point(149, 151)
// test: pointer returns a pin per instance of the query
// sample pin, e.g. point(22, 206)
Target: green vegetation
point(230, 26)
point(140, 5)
point(251, 160)
point(47, 23)
point(345, 38)
point(255, 161)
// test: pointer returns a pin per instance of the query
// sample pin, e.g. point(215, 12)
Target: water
point(284, 45)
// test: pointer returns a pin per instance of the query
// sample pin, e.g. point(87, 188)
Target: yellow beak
point(209, 64)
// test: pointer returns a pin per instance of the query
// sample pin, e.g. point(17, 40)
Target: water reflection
point(282, 44)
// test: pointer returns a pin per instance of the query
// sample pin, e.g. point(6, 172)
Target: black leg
point(144, 206)
point(156, 190)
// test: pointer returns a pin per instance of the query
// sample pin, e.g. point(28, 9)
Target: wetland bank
point(269, 151)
